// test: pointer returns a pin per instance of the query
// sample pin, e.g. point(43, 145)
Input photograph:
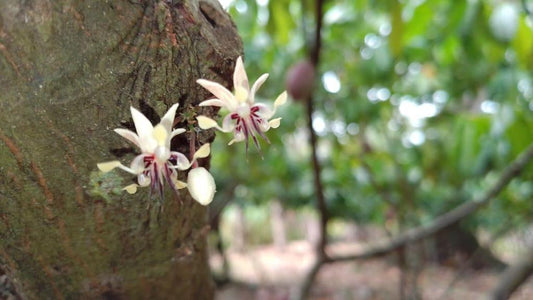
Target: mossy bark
point(69, 70)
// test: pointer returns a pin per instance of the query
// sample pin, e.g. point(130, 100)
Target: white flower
point(245, 118)
point(157, 163)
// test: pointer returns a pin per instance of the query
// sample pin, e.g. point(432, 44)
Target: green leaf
point(281, 22)
point(523, 43)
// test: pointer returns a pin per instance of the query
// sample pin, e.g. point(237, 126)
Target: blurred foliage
point(419, 106)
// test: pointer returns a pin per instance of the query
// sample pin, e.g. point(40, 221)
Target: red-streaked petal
point(182, 162)
point(228, 124)
point(262, 110)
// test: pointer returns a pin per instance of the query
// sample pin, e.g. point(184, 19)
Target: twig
point(513, 277)
point(447, 219)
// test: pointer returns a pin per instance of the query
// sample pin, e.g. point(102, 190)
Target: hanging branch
point(447, 219)
point(314, 56)
point(319, 190)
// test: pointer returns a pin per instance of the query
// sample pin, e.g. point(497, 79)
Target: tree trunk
point(69, 70)
point(277, 224)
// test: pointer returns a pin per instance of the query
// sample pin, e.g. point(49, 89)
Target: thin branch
point(319, 190)
point(315, 52)
point(513, 277)
point(447, 219)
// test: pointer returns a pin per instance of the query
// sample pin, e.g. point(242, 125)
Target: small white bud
point(201, 185)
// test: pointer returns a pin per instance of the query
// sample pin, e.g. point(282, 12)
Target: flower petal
point(257, 84)
point(228, 124)
point(182, 162)
point(212, 102)
point(168, 119)
point(220, 92)
point(202, 152)
point(131, 189)
point(239, 136)
point(206, 123)
point(180, 184)
point(264, 111)
point(201, 185)
point(144, 180)
point(137, 164)
point(161, 135)
point(108, 166)
point(282, 98)
point(142, 125)
point(176, 132)
point(274, 123)
point(129, 135)
point(240, 79)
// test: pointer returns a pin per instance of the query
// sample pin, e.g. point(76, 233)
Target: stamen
point(168, 177)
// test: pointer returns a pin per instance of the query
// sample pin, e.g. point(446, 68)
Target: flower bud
point(300, 80)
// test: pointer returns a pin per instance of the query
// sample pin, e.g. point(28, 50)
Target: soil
point(269, 272)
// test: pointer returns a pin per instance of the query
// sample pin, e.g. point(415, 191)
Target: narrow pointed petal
point(257, 84)
point(219, 91)
point(202, 152)
point(168, 119)
point(201, 185)
point(131, 189)
point(108, 166)
point(142, 125)
point(212, 102)
point(129, 135)
point(206, 123)
point(274, 123)
point(240, 79)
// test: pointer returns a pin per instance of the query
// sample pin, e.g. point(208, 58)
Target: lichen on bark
point(70, 69)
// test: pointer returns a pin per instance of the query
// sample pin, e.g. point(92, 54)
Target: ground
point(269, 272)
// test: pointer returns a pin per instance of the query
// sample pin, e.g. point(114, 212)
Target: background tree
point(419, 107)
point(69, 72)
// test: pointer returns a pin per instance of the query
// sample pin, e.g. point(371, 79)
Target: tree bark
point(69, 70)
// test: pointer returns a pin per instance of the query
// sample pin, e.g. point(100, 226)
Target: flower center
point(243, 111)
point(162, 154)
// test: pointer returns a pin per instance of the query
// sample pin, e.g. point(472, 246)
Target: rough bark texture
point(69, 70)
